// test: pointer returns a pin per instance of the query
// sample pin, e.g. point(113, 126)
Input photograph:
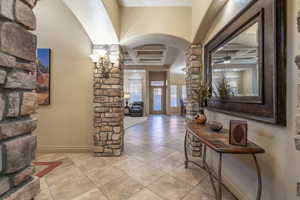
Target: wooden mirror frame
point(270, 106)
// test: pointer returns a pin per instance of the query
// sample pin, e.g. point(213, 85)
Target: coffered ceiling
point(155, 50)
point(156, 3)
point(149, 54)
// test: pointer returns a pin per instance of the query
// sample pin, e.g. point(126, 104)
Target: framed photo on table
point(238, 133)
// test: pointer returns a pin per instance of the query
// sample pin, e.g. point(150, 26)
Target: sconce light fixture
point(102, 59)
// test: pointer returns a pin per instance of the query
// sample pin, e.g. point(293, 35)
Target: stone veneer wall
point(108, 108)
point(18, 100)
point(194, 71)
point(297, 60)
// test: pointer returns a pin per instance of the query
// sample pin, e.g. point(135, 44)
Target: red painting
point(43, 76)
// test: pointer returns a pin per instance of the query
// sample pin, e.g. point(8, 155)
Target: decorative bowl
point(215, 126)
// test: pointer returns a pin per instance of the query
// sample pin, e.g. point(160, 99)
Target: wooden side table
point(219, 142)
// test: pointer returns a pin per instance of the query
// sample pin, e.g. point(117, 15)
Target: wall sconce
point(102, 59)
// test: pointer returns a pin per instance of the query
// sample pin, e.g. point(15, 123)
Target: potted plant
point(224, 89)
point(202, 94)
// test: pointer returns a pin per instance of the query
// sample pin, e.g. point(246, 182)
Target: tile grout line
point(85, 175)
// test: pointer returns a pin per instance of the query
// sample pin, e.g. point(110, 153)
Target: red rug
point(44, 168)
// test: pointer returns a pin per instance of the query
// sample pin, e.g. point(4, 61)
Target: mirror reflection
point(235, 68)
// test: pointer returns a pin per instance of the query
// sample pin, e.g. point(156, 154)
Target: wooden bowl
point(201, 119)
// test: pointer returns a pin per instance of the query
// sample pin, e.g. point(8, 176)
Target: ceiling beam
point(95, 20)
point(215, 7)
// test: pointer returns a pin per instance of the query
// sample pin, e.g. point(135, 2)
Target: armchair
point(137, 109)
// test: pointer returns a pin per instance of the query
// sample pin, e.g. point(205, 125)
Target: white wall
point(281, 163)
point(66, 124)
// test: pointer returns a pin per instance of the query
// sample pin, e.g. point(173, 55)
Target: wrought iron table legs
point(209, 171)
point(219, 194)
point(204, 166)
point(259, 182)
point(186, 162)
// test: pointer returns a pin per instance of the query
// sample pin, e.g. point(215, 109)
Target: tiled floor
point(151, 168)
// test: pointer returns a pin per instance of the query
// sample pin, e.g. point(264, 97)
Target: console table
point(219, 142)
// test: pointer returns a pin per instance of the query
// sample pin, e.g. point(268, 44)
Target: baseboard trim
point(64, 149)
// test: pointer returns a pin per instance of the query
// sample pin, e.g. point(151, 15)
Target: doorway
point(157, 92)
point(157, 101)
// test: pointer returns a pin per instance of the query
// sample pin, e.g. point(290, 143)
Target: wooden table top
point(219, 141)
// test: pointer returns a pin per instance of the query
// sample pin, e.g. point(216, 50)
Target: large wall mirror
point(245, 64)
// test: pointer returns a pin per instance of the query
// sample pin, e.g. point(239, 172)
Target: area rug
point(132, 121)
point(43, 168)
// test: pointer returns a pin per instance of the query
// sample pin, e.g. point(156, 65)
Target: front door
point(157, 100)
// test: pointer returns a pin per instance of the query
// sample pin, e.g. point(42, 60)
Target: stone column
point(194, 74)
point(108, 106)
point(18, 100)
point(297, 61)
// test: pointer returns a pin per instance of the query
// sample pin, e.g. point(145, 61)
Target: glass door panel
point(157, 99)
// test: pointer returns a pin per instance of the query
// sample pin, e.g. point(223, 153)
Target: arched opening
point(154, 74)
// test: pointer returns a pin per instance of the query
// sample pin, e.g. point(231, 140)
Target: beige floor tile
point(131, 148)
point(71, 187)
point(148, 156)
point(129, 163)
point(94, 194)
point(176, 157)
point(115, 160)
point(198, 193)
point(169, 163)
point(170, 188)
point(66, 162)
point(122, 188)
point(145, 194)
point(79, 158)
point(192, 175)
point(44, 195)
point(151, 150)
point(61, 174)
point(105, 175)
point(207, 186)
point(43, 184)
point(145, 174)
point(164, 151)
point(93, 163)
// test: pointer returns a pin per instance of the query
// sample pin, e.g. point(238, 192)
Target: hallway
point(151, 168)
